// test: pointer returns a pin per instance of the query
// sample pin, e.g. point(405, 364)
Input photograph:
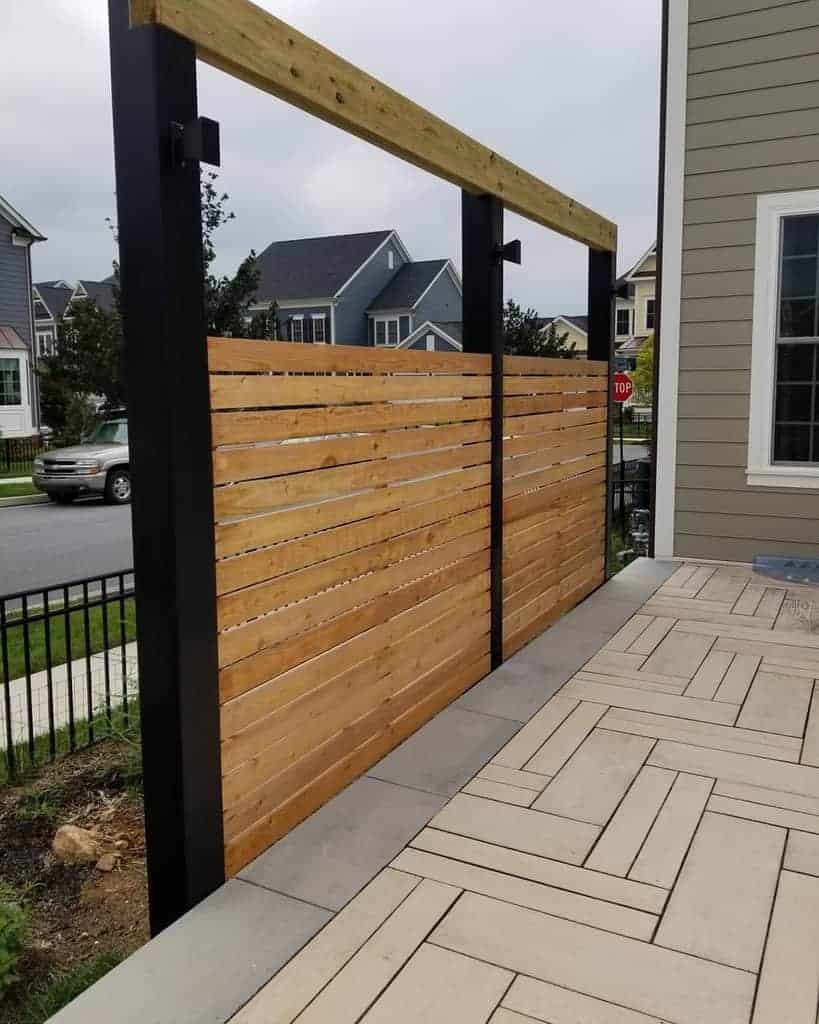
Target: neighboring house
point(361, 289)
point(577, 329)
point(52, 300)
point(738, 423)
point(19, 404)
point(636, 309)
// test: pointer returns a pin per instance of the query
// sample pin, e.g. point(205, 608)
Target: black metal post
point(602, 275)
point(622, 480)
point(482, 224)
point(153, 77)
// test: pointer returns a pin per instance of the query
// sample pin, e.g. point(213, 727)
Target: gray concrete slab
point(202, 969)
point(329, 857)
point(515, 691)
point(445, 753)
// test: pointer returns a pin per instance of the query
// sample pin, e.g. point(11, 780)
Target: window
point(650, 307)
point(390, 260)
point(783, 437)
point(45, 343)
point(430, 343)
point(386, 332)
point(297, 328)
point(318, 328)
point(623, 322)
point(10, 385)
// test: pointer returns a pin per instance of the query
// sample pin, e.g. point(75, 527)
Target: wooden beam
point(245, 41)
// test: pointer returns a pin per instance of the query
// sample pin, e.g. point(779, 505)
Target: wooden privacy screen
point(554, 507)
point(352, 507)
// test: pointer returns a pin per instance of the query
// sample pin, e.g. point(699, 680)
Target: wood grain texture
point(245, 41)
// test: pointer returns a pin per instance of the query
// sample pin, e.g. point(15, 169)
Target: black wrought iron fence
point(18, 453)
point(68, 669)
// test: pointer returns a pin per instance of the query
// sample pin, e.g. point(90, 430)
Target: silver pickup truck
point(99, 466)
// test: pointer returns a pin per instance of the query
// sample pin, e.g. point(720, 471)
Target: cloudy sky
point(568, 91)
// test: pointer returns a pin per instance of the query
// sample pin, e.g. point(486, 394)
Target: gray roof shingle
point(101, 292)
point(408, 285)
point(313, 267)
point(56, 298)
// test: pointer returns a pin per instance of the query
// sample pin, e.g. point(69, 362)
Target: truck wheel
point(118, 487)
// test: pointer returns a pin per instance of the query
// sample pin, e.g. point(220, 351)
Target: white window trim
point(650, 298)
point(762, 472)
point(320, 317)
point(390, 259)
point(22, 370)
point(387, 320)
point(300, 320)
point(628, 311)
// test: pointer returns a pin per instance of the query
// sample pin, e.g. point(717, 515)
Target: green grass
point(64, 986)
point(57, 633)
point(17, 490)
point(123, 725)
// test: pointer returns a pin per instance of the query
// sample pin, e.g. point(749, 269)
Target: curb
point(24, 499)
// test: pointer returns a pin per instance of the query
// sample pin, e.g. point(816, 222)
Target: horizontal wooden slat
point(527, 405)
point(529, 365)
point(229, 391)
point(246, 640)
point(554, 385)
point(515, 426)
point(284, 424)
point(265, 597)
point(373, 737)
point(247, 42)
point(270, 562)
point(237, 464)
point(532, 482)
point(528, 444)
point(544, 457)
point(521, 505)
point(271, 664)
point(301, 488)
point(239, 355)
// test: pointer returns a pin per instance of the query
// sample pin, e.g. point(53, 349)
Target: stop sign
point(623, 387)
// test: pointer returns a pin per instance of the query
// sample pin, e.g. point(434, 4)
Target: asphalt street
point(41, 545)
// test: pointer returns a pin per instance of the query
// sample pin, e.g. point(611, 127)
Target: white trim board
point(429, 326)
point(762, 471)
point(673, 190)
point(392, 238)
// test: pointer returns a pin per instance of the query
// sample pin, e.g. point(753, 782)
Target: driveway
point(45, 544)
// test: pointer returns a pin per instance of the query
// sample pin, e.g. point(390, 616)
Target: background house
point(361, 289)
point(636, 309)
point(738, 430)
point(577, 329)
point(52, 300)
point(19, 405)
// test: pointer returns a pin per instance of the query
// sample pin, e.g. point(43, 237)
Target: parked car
point(98, 466)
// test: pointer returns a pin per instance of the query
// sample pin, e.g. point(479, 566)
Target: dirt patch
point(76, 911)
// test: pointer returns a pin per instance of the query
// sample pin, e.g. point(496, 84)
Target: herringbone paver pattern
point(645, 850)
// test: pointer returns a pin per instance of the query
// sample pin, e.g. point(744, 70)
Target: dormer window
point(390, 259)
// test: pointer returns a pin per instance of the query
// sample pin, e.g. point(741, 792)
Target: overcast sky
point(568, 91)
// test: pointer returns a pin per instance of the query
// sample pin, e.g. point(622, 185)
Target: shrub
point(13, 928)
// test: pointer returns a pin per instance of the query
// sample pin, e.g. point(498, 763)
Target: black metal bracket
point(511, 252)
point(197, 140)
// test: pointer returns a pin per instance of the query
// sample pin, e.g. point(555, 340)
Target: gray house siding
point(441, 304)
point(15, 285)
point(752, 117)
point(441, 344)
point(351, 306)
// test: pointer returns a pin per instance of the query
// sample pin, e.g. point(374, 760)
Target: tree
point(87, 369)
point(524, 335)
point(643, 374)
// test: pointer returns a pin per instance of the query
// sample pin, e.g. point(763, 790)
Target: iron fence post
point(482, 227)
point(153, 78)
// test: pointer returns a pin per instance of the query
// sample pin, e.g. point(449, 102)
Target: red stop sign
point(623, 387)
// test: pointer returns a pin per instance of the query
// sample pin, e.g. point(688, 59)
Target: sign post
point(623, 390)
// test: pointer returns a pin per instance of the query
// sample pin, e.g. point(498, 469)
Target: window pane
point(793, 402)
point(796, 362)
point(800, 235)
point(797, 318)
point(10, 393)
point(792, 444)
point(393, 326)
point(623, 319)
point(798, 278)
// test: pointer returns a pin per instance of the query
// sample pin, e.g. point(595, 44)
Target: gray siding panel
point(755, 23)
point(753, 113)
point(442, 304)
point(15, 297)
point(352, 304)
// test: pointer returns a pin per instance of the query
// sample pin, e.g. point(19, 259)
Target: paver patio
point(644, 850)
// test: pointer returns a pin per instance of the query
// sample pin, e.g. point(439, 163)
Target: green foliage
point(39, 804)
point(643, 374)
point(65, 986)
point(13, 929)
point(523, 334)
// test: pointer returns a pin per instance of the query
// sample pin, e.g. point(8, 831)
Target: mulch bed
point(77, 911)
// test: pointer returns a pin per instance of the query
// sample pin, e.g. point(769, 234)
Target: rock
point(75, 845)
point(107, 862)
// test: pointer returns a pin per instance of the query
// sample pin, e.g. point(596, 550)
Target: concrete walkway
point(644, 849)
